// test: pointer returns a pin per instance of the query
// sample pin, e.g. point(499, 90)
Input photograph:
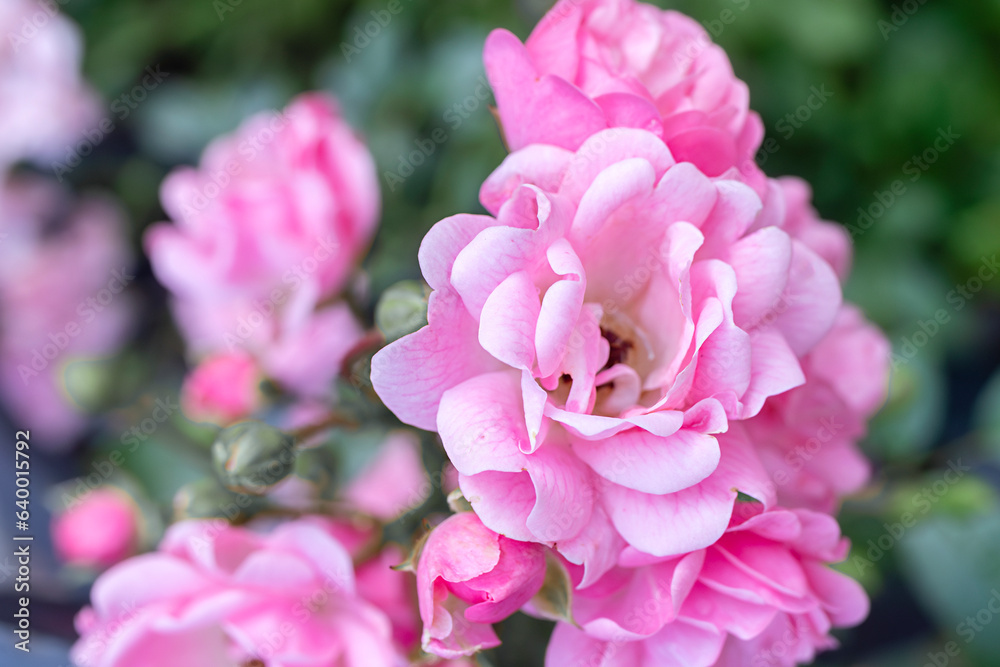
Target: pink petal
point(508, 321)
point(653, 464)
point(411, 374)
point(482, 424)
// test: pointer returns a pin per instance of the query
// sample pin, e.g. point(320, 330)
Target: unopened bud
point(251, 457)
point(401, 310)
point(208, 499)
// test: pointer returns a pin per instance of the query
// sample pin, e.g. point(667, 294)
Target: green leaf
point(555, 599)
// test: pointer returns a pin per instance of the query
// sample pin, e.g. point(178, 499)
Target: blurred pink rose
point(64, 265)
point(45, 106)
point(762, 595)
point(214, 595)
point(807, 437)
point(222, 389)
point(393, 483)
point(267, 231)
point(98, 530)
point(593, 64)
point(468, 577)
point(586, 345)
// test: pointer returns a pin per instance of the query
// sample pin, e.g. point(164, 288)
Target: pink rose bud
point(222, 389)
point(97, 531)
point(469, 577)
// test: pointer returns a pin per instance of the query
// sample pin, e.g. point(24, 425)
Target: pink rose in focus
point(52, 317)
point(215, 595)
point(762, 595)
point(222, 389)
point(97, 531)
point(586, 345)
point(266, 233)
point(468, 577)
point(594, 64)
point(45, 106)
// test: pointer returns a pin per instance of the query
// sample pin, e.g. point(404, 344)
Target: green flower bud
point(207, 499)
point(401, 310)
point(251, 457)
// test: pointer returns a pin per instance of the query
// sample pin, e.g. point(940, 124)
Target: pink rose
point(586, 345)
point(593, 64)
point(267, 231)
point(394, 482)
point(215, 595)
point(45, 106)
point(99, 530)
point(52, 318)
point(761, 595)
point(222, 389)
point(807, 437)
point(469, 577)
point(788, 205)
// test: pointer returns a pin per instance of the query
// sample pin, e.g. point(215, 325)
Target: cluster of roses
point(639, 364)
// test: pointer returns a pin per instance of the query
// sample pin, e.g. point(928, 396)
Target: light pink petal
point(639, 460)
point(571, 647)
point(843, 598)
point(508, 321)
point(503, 501)
point(411, 374)
point(626, 110)
point(686, 642)
point(536, 109)
point(596, 547)
point(482, 424)
point(608, 147)
point(394, 482)
point(560, 307)
point(610, 189)
point(694, 518)
point(144, 580)
point(811, 301)
point(775, 370)
point(564, 494)
point(553, 44)
point(537, 164)
point(761, 262)
point(444, 241)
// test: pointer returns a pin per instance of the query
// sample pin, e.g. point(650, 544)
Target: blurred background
point(891, 110)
